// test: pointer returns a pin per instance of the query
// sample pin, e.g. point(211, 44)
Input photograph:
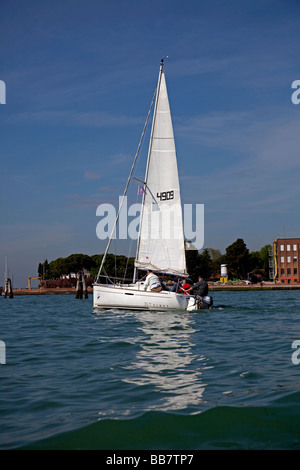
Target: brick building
point(287, 260)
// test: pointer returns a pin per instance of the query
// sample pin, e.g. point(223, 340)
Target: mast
point(148, 159)
point(154, 119)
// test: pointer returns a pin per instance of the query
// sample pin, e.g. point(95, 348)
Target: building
point(287, 260)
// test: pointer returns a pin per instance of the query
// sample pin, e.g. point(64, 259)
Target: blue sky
point(79, 78)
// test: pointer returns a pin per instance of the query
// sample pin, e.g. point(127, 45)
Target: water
point(220, 379)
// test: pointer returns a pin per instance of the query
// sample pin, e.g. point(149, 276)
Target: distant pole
point(84, 288)
point(8, 292)
point(81, 289)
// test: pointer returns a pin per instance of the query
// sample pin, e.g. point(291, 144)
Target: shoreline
point(53, 291)
point(212, 288)
point(265, 285)
point(254, 288)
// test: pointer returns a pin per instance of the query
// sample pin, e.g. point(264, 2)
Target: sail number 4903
point(165, 195)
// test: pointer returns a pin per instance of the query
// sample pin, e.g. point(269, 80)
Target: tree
point(216, 260)
point(237, 259)
point(118, 266)
point(259, 263)
point(264, 256)
point(192, 263)
point(205, 264)
point(43, 270)
point(199, 263)
point(77, 262)
point(40, 269)
point(60, 266)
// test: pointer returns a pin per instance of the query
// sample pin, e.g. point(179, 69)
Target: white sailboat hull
point(133, 297)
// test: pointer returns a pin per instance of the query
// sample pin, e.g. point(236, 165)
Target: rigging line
point(129, 251)
point(141, 181)
point(115, 257)
point(127, 184)
point(149, 154)
point(147, 187)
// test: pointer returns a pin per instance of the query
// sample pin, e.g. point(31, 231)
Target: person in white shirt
point(152, 281)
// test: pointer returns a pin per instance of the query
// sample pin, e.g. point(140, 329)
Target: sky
point(80, 76)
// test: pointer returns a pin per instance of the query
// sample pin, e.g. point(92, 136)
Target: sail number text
point(165, 195)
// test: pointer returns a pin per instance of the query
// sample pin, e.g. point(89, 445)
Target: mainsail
point(161, 240)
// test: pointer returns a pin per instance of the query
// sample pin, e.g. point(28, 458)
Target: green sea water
point(218, 379)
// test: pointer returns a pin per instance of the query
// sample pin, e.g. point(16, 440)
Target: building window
point(282, 271)
point(289, 281)
point(288, 271)
point(295, 247)
point(281, 247)
point(288, 258)
point(288, 247)
point(295, 259)
point(295, 270)
point(281, 259)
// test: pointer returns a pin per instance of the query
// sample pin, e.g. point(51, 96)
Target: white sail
point(161, 239)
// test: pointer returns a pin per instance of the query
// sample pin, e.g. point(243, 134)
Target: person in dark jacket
point(200, 291)
point(201, 287)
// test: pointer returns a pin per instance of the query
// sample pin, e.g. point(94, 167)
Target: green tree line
point(116, 266)
point(241, 264)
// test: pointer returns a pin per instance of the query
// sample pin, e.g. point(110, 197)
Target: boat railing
point(117, 281)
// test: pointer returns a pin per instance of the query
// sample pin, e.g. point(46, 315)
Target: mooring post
point(81, 288)
point(84, 288)
point(8, 292)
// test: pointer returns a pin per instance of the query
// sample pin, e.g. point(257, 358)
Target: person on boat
point(200, 290)
point(153, 282)
point(184, 289)
point(164, 284)
point(176, 286)
point(201, 287)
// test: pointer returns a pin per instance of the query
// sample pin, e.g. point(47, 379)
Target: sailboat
point(160, 244)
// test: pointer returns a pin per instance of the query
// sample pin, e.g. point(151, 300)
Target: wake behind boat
point(160, 245)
